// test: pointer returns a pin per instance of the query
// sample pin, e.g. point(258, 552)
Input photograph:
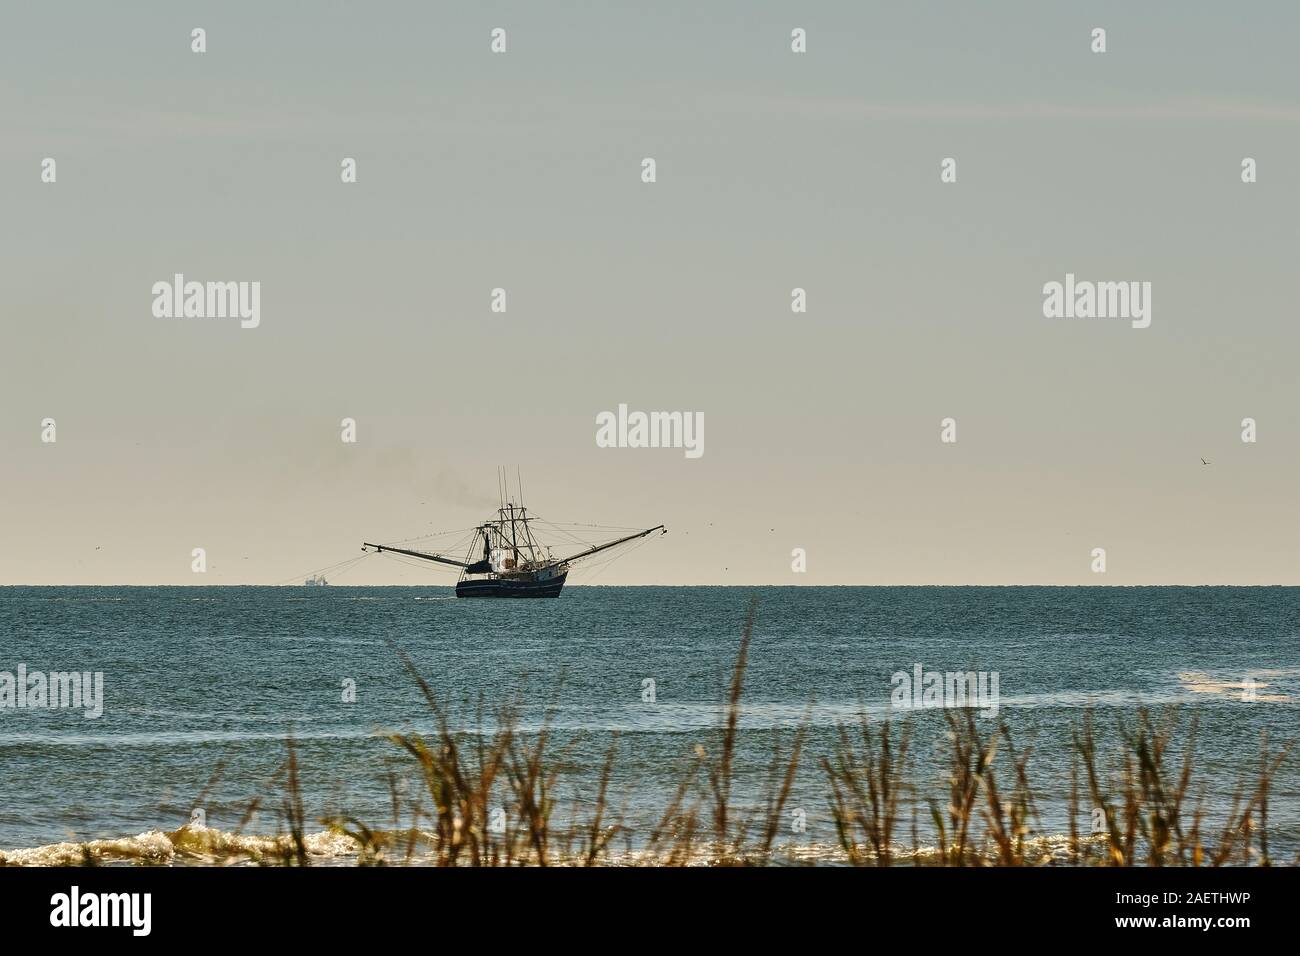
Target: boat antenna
point(520, 482)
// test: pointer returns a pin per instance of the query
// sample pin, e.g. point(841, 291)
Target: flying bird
point(1204, 462)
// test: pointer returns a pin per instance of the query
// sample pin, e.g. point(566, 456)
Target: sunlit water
point(198, 680)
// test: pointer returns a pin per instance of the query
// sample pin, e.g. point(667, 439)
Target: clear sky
point(775, 170)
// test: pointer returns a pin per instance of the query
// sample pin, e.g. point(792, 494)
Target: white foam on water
point(190, 844)
point(201, 846)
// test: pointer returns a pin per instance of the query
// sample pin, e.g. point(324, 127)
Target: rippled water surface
point(198, 680)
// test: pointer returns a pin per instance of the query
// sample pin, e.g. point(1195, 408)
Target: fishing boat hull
point(504, 559)
point(525, 587)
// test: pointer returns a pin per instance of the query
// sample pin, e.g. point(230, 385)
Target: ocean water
point(203, 686)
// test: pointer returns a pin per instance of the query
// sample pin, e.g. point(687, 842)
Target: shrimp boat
point(506, 560)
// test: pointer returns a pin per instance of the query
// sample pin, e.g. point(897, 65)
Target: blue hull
point(510, 588)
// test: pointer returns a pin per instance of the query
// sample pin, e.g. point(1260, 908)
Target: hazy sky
point(775, 170)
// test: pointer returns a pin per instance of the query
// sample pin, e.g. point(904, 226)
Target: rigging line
point(410, 562)
point(573, 539)
point(579, 524)
point(349, 568)
point(456, 547)
point(330, 568)
point(432, 534)
point(614, 555)
point(601, 566)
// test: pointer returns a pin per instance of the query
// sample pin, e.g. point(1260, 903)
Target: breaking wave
point(202, 846)
point(198, 846)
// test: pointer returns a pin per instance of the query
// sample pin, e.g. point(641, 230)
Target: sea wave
point(193, 845)
point(203, 846)
point(1247, 689)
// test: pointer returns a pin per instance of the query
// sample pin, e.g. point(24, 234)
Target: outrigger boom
point(612, 544)
point(380, 548)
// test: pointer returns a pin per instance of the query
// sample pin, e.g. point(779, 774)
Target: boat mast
point(514, 540)
point(523, 517)
point(528, 535)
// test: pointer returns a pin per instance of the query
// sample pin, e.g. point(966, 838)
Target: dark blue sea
point(203, 687)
